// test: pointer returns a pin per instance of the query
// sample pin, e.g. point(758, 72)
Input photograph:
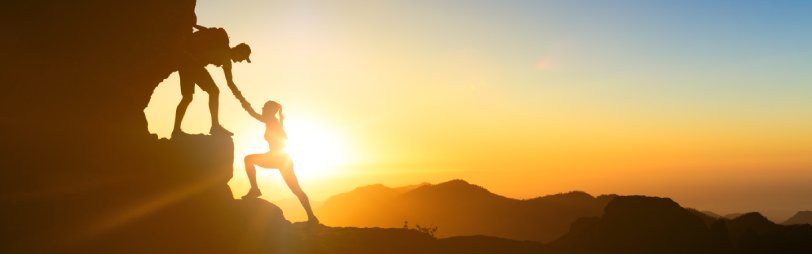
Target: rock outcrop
point(78, 161)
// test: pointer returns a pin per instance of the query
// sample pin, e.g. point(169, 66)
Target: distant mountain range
point(573, 222)
point(460, 208)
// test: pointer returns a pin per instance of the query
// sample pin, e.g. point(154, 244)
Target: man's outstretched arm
point(237, 93)
point(230, 79)
point(227, 71)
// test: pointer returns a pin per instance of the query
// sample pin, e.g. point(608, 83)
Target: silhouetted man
point(207, 46)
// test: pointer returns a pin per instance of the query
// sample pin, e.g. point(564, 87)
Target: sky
point(706, 102)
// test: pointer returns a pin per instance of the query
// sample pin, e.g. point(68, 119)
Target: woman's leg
point(285, 166)
point(293, 184)
point(251, 171)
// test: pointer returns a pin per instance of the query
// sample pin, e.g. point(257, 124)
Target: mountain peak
point(572, 195)
point(754, 218)
point(456, 187)
point(801, 217)
point(372, 188)
point(750, 223)
point(641, 204)
point(456, 182)
point(638, 224)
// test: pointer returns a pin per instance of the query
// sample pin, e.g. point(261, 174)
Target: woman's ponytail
point(281, 116)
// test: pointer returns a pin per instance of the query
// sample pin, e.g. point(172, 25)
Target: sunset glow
point(552, 96)
point(316, 151)
point(407, 126)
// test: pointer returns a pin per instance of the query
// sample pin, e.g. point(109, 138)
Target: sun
point(316, 150)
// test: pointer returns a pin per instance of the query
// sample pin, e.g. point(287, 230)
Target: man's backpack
point(209, 39)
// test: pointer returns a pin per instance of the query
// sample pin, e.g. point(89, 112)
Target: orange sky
point(523, 100)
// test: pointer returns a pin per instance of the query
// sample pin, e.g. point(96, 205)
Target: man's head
point(240, 52)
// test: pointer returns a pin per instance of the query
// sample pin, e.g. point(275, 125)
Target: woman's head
point(271, 108)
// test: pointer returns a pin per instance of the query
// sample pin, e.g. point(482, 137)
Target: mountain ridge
point(456, 206)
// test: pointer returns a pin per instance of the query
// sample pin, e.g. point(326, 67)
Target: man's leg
point(207, 84)
point(187, 90)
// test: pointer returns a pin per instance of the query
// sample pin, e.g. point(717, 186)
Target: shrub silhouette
point(428, 230)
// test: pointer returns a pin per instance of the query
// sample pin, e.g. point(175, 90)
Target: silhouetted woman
point(276, 157)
